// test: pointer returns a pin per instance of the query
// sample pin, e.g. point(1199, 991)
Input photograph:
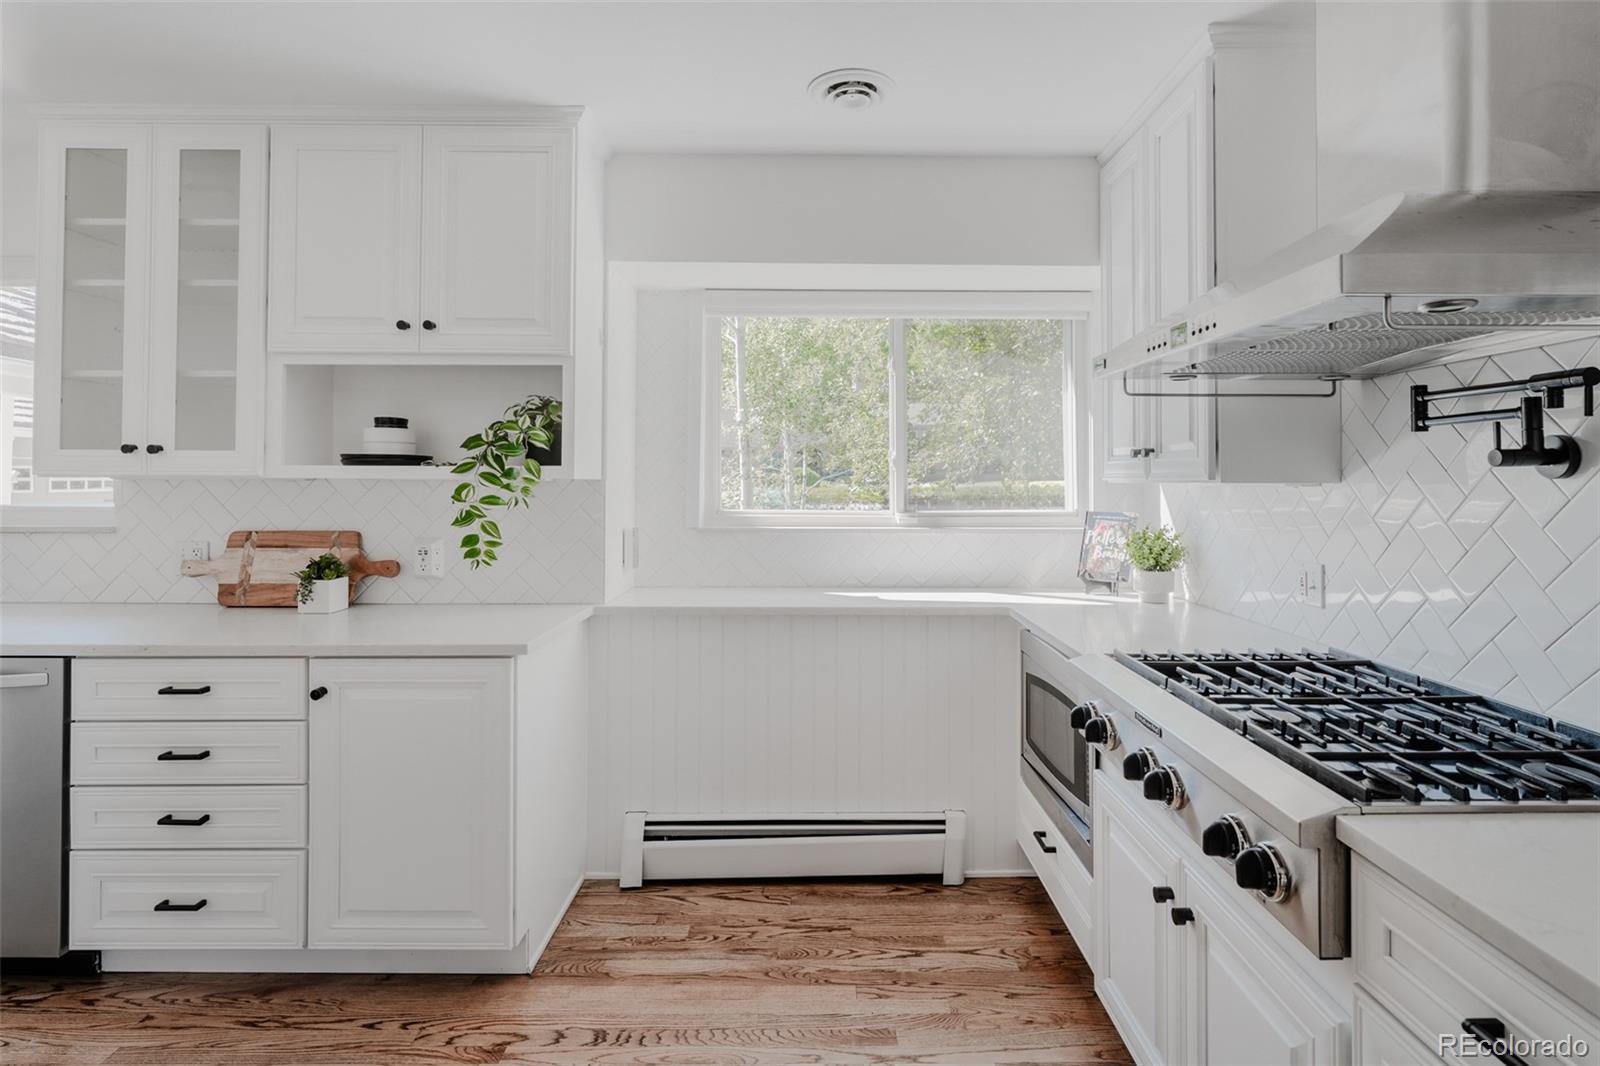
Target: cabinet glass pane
point(94, 268)
point(208, 298)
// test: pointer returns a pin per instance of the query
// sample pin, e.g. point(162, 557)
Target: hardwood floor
point(776, 972)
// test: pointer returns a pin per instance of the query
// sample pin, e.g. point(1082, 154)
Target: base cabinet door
point(1237, 1007)
point(411, 804)
point(1135, 974)
point(1382, 1041)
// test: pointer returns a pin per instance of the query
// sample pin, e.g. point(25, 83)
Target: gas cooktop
point(1380, 736)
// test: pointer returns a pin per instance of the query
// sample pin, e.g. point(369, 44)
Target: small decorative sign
point(1103, 559)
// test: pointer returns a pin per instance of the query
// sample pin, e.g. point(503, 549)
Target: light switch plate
point(1311, 590)
point(428, 558)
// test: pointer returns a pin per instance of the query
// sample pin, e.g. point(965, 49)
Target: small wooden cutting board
point(257, 569)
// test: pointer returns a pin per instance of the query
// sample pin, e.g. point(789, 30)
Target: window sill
point(991, 522)
point(48, 519)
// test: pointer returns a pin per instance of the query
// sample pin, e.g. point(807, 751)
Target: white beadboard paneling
point(552, 552)
point(1436, 562)
point(673, 551)
point(804, 713)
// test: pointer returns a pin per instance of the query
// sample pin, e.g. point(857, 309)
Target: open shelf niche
point(317, 410)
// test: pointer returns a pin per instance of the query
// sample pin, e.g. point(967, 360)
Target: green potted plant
point(1155, 552)
point(324, 585)
point(506, 465)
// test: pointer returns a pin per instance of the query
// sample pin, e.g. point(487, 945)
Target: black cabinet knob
point(318, 692)
point(128, 449)
point(1163, 894)
point(1260, 868)
point(402, 324)
point(1139, 763)
point(1164, 786)
point(154, 449)
point(429, 324)
point(1182, 916)
point(1224, 838)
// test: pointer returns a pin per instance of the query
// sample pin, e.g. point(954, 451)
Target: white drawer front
point(1069, 885)
point(199, 816)
point(175, 689)
point(1432, 974)
point(252, 899)
point(188, 753)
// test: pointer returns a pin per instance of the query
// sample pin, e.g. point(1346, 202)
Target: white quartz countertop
point(1524, 882)
point(209, 630)
point(1076, 621)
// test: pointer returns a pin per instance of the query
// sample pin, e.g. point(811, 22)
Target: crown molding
point(520, 114)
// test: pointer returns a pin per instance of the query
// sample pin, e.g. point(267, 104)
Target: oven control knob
point(1139, 763)
point(1261, 868)
point(1099, 730)
point(1081, 714)
point(1165, 787)
point(1225, 838)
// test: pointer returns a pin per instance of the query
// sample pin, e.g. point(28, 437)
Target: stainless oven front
point(1056, 760)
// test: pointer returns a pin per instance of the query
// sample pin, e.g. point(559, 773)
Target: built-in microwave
point(1056, 760)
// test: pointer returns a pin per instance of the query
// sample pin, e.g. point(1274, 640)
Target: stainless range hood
point(1408, 280)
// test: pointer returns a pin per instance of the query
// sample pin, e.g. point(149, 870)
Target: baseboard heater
point(674, 847)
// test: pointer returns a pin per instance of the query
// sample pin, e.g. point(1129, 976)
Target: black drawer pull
point(1163, 894)
point(1182, 916)
point(167, 819)
point(319, 692)
point(187, 756)
point(168, 905)
point(1490, 1031)
point(173, 690)
point(1048, 849)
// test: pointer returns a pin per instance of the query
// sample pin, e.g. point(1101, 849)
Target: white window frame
point(52, 517)
point(1072, 307)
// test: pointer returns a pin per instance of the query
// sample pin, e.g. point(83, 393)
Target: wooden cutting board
point(257, 569)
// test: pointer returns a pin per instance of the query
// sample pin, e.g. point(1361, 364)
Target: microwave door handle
point(24, 680)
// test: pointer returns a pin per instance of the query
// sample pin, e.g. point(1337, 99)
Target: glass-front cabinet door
point(151, 298)
point(206, 308)
point(93, 302)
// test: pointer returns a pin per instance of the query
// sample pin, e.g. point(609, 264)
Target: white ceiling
point(971, 78)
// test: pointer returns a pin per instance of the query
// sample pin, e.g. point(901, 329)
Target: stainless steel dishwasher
point(33, 817)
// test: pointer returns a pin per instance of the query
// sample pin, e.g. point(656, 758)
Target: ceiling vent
point(850, 89)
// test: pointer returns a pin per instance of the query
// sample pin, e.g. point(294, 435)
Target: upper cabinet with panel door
point(1215, 172)
point(151, 298)
point(408, 238)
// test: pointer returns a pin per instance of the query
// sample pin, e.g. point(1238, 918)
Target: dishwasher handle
point(24, 680)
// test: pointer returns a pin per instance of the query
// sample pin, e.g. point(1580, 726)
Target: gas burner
point(1381, 736)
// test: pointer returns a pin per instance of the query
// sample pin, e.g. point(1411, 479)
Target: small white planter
point(1154, 586)
point(327, 597)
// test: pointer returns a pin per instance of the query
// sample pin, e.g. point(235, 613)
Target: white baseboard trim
point(613, 875)
point(316, 960)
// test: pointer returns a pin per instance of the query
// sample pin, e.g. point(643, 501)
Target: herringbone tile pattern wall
point(552, 552)
point(1435, 561)
point(674, 551)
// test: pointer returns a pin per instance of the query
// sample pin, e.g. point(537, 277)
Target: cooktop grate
point(1378, 735)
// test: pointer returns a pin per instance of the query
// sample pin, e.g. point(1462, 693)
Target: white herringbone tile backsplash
point(674, 551)
point(552, 552)
point(1435, 562)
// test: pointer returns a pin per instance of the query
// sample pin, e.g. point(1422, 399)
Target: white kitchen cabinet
point(1380, 1040)
point(406, 238)
point(1212, 174)
point(496, 238)
point(346, 238)
point(1136, 975)
point(412, 801)
point(1238, 1007)
point(151, 298)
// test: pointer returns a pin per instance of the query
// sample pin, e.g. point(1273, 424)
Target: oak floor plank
point(836, 972)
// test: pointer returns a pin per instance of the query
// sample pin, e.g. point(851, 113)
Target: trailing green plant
point(506, 475)
point(325, 567)
point(1155, 548)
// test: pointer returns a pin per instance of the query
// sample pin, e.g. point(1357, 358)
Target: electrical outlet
point(429, 558)
point(1311, 588)
point(195, 550)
